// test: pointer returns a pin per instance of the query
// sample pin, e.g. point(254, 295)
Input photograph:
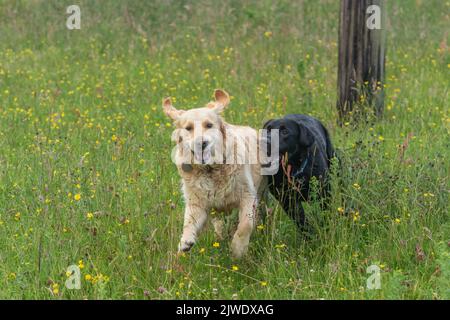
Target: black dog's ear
point(266, 124)
point(306, 138)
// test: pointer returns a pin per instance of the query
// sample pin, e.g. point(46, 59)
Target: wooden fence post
point(361, 58)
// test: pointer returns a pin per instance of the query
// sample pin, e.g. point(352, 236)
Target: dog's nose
point(204, 145)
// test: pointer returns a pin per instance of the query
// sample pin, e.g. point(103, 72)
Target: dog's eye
point(209, 125)
point(284, 131)
point(188, 128)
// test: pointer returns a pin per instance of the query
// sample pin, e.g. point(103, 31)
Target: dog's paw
point(185, 245)
point(238, 248)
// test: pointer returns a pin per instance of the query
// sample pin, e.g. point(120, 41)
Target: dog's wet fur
point(209, 185)
point(305, 151)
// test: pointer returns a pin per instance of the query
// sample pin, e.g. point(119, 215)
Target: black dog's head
point(293, 136)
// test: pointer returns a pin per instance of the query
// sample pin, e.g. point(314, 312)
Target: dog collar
point(302, 168)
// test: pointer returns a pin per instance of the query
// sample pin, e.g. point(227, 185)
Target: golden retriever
point(219, 169)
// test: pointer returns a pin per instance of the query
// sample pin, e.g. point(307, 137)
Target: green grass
point(80, 115)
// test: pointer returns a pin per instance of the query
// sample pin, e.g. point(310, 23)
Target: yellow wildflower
point(55, 288)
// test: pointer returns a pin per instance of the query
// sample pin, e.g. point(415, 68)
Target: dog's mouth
point(203, 156)
point(286, 154)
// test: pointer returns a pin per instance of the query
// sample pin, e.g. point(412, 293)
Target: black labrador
point(305, 151)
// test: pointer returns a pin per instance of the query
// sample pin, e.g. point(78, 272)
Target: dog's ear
point(267, 123)
point(222, 97)
point(170, 110)
point(221, 101)
point(306, 138)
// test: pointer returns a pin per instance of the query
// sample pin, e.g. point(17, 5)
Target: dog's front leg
point(241, 237)
point(194, 220)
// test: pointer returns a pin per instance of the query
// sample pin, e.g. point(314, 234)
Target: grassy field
point(85, 170)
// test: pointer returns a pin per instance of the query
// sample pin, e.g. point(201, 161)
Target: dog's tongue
point(198, 157)
point(206, 156)
point(202, 158)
